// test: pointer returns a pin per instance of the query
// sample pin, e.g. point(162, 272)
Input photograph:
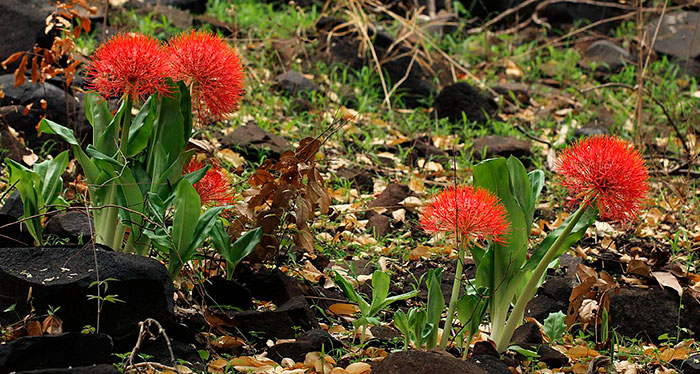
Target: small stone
point(294, 83)
point(460, 99)
point(605, 55)
point(500, 146)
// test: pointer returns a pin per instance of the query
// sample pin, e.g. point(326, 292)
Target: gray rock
point(294, 83)
point(280, 323)
point(316, 340)
point(22, 24)
point(677, 34)
point(605, 55)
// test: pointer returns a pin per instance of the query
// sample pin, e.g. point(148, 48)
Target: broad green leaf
point(554, 325)
point(97, 113)
point(435, 306)
point(107, 140)
point(243, 246)
point(51, 127)
point(204, 226)
point(351, 293)
point(380, 290)
point(28, 183)
point(185, 218)
point(141, 128)
point(50, 172)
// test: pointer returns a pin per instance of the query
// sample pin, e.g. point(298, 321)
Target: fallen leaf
point(344, 309)
point(418, 252)
point(667, 279)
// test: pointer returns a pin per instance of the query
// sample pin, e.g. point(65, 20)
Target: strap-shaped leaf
point(187, 208)
point(587, 219)
point(141, 128)
point(50, 172)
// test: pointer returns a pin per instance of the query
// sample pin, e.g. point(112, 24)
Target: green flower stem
point(456, 285)
point(516, 315)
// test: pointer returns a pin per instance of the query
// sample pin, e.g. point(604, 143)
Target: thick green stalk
point(516, 315)
point(456, 285)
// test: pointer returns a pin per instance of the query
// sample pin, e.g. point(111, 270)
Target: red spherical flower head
point(214, 188)
point(129, 64)
point(609, 172)
point(471, 212)
point(212, 70)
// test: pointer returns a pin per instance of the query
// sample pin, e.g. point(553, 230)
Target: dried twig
point(144, 331)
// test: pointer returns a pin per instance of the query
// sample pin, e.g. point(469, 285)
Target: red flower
point(473, 212)
point(129, 64)
point(214, 188)
point(212, 70)
point(608, 170)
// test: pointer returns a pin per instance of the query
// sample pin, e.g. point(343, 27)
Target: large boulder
point(61, 277)
point(60, 107)
point(55, 351)
point(22, 24)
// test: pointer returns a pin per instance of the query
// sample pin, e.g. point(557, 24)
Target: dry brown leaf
point(344, 309)
point(418, 252)
point(310, 272)
point(671, 354)
point(358, 368)
point(581, 351)
point(226, 342)
point(667, 279)
point(639, 267)
point(34, 328)
point(52, 325)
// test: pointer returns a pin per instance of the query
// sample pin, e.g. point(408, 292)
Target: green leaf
point(187, 208)
point(141, 128)
point(576, 234)
point(204, 226)
point(523, 351)
point(435, 306)
point(471, 308)
point(97, 113)
point(28, 183)
point(243, 246)
point(555, 325)
point(50, 172)
point(351, 294)
point(51, 127)
point(380, 290)
point(107, 140)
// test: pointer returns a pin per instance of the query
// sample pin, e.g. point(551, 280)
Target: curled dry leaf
point(52, 325)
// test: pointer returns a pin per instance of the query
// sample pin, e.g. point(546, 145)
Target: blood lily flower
point(608, 171)
point(214, 188)
point(212, 70)
point(471, 212)
point(129, 64)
